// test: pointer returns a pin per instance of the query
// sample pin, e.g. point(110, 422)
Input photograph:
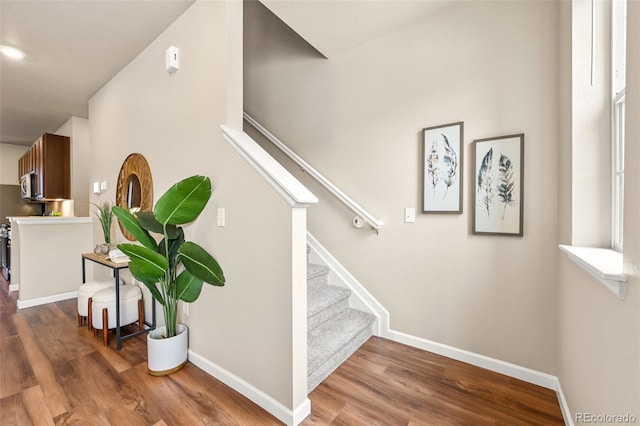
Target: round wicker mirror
point(135, 187)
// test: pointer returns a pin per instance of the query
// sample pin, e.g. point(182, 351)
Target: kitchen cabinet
point(49, 158)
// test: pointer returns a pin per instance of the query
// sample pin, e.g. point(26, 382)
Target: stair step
point(331, 343)
point(325, 303)
point(317, 276)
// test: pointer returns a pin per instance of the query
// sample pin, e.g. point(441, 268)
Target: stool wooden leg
point(140, 315)
point(90, 314)
point(105, 326)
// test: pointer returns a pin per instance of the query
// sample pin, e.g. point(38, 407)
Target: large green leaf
point(201, 264)
point(149, 282)
point(184, 201)
point(174, 245)
point(148, 221)
point(131, 224)
point(188, 287)
point(149, 263)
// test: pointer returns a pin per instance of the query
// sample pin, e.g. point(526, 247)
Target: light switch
point(172, 60)
point(409, 215)
point(104, 186)
point(96, 187)
point(221, 216)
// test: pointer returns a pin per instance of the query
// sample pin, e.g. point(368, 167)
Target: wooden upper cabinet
point(50, 159)
point(55, 167)
point(30, 163)
point(21, 168)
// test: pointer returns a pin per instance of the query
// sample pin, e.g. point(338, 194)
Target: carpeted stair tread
point(325, 303)
point(317, 276)
point(334, 330)
point(324, 297)
point(327, 339)
point(330, 344)
point(314, 270)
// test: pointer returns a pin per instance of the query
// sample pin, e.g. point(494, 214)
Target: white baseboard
point(48, 299)
point(14, 287)
point(301, 412)
point(564, 406)
point(492, 364)
point(277, 409)
point(512, 370)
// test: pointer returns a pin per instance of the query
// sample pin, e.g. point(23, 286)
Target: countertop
point(48, 220)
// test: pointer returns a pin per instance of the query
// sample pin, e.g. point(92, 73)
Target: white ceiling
point(335, 26)
point(74, 47)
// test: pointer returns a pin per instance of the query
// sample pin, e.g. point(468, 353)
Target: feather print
point(432, 169)
point(450, 160)
point(485, 182)
point(506, 185)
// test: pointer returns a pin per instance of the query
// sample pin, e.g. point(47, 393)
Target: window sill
point(605, 265)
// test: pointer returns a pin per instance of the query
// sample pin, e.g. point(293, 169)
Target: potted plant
point(105, 216)
point(173, 269)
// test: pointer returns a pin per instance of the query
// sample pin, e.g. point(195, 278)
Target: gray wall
point(244, 328)
point(357, 118)
point(12, 205)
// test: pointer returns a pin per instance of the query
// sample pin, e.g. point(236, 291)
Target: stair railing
point(362, 215)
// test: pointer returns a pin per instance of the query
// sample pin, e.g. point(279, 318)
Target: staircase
point(334, 331)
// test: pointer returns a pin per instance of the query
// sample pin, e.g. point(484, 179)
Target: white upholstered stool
point(85, 291)
point(103, 309)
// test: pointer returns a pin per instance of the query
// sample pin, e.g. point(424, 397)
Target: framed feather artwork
point(499, 185)
point(442, 155)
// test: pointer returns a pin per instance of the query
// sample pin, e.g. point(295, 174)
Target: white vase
point(167, 355)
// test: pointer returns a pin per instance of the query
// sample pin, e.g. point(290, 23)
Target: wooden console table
point(103, 260)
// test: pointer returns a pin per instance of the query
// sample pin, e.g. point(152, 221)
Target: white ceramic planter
point(166, 356)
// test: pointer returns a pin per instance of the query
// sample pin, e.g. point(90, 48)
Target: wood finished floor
point(53, 372)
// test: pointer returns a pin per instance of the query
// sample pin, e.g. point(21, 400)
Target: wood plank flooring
point(53, 372)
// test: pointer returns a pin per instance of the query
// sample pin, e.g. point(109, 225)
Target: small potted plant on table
point(105, 216)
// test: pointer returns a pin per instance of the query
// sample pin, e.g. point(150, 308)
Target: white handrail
point(344, 198)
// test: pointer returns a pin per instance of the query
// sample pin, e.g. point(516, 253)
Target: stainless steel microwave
point(28, 185)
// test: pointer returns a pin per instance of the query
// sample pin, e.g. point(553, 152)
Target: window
point(618, 171)
point(618, 53)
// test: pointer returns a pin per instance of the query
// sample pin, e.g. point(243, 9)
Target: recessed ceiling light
point(12, 52)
